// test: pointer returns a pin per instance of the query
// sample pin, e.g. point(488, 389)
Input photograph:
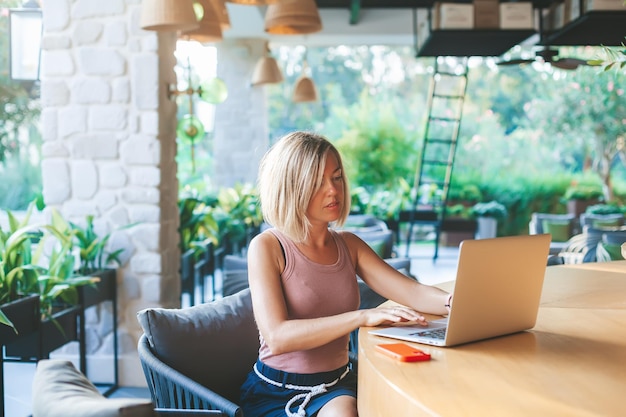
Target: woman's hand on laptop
point(389, 315)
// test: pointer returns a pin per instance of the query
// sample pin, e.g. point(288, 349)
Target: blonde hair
point(289, 175)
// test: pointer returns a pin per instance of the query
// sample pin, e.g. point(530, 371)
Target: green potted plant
point(238, 216)
point(19, 296)
point(197, 224)
point(457, 226)
point(26, 269)
point(579, 196)
point(467, 194)
point(603, 216)
point(95, 260)
point(603, 209)
point(487, 215)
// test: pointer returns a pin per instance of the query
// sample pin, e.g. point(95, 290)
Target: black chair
point(188, 276)
point(381, 241)
point(583, 247)
point(205, 271)
point(562, 227)
point(364, 223)
point(198, 357)
point(234, 274)
point(602, 220)
point(609, 247)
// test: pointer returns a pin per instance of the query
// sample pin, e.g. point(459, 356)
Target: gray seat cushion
point(215, 344)
point(60, 390)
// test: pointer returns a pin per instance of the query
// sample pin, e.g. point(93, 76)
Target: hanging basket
point(168, 15)
point(294, 17)
point(222, 13)
point(266, 71)
point(305, 90)
point(255, 2)
point(210, 28)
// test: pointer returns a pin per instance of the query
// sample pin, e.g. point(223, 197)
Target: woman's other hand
point(390, 315)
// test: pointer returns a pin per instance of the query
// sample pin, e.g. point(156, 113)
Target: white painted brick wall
point(107, 125)
point(87, 32)
point(109, 134)
point(92, 145)
point(84, 179)
point(91, 90)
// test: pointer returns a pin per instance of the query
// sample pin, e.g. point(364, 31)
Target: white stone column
point(109, 149)
point(241, 127)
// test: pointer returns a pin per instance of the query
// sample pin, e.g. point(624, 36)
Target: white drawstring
point(312, 390)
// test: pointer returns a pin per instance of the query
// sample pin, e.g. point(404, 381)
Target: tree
point(377, 149)
point(587, 110)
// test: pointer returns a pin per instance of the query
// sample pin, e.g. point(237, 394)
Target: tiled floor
point(432, 272)
point(18, 377)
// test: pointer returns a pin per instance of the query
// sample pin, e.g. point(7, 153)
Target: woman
point(302, 277)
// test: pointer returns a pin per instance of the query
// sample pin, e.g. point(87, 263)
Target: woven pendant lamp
point(222, 13)
point(293, 17)
point(266, 70)
point(210, 29)
point(305, 90)
point(168, 15)
point(255, 2)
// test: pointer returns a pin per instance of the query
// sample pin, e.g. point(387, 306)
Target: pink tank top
point(314, 290)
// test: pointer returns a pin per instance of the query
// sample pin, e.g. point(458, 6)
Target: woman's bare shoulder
point(264, 240)
point(348, 237)
point(265, 251)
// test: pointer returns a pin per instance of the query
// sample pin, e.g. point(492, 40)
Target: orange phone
point(403, 352)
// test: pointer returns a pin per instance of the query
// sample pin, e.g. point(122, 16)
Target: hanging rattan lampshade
point(305, 90)
point(168, 15)
point(293, 17)
point(266, 70)
point(255, 2)
point(222, 13)
point(210, 29)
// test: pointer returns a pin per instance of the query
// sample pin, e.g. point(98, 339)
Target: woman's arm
point(391, 284)
point(265, 263)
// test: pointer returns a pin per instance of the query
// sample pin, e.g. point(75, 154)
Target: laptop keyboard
point(432, 333)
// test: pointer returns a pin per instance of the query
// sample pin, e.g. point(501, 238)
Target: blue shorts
point(262, 399)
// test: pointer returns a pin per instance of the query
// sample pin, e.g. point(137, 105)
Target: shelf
point(472, 42)
point(606, 28)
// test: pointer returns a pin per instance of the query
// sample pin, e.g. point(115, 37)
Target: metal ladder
point(448, 86)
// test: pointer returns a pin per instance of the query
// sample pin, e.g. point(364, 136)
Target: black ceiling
point(379, 4)
point(399, 4)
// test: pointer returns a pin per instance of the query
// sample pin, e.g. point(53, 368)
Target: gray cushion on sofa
point(214, 344)
point(60, 390)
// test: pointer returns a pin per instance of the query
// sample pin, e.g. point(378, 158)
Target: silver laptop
point(497, 292)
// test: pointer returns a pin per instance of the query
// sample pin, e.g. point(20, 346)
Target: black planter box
point(103, 290)
point(24, 314)
point(90, 295)
point(53, 333)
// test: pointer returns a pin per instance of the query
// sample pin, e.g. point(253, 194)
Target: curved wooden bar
point(572, 363)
